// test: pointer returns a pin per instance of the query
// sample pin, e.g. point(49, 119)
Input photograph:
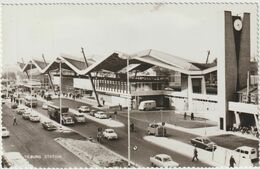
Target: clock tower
point(237, 61)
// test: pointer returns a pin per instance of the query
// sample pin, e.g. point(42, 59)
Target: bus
point(30, 101)
point(15, 160)
point(54, 113)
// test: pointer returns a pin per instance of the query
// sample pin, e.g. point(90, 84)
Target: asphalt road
point(36, 144)
point(142, 120)
point(145, 149)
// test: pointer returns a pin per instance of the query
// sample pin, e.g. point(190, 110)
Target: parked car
point(204, 143)
point(34, 117)
point(84, 109)
point(163, 160)
point(45, 106)
point(100, 115)
point(49, 125)
point(156, 129)
point(5, 132)
point(247, 152)
point(147, 105)
point(26, 114)
point(21, 110)
point(14, 105)
point(110, 134)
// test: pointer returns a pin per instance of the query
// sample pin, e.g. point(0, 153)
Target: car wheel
point(80, 111)
point(152, 164)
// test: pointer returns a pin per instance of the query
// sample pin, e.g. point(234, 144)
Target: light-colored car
point(100, 115)
point(26, 114)
point(5, 132)
point(163, 160)
point(34, 117)
point(45, 106)
point(84, 109)
point(247, 152)
point(147, 105)
point(79, 118)
point(21, 109)
point(110, 134)
point(156, 129)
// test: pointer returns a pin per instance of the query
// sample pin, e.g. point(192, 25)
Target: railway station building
point(224, 91)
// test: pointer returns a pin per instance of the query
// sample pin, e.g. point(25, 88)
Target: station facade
point(173, 82)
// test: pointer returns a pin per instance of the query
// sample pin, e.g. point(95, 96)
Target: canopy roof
point(68, 62)
point(147, 59)
point(117, 62)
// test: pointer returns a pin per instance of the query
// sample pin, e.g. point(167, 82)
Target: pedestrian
point(192, 116)
point(232, 161)
point(185, 115)
point(14, 121)
point(195, 154)
point(103, 102)
point(132, 127)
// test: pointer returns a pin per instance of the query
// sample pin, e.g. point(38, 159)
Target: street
point(36, 144)
point(26, 139)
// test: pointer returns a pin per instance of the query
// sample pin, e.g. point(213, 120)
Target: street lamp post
point(128, 115)
point(31, 83)
point(60, 94)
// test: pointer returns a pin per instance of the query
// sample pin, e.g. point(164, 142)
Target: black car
point(14, 106)
point(204, 143)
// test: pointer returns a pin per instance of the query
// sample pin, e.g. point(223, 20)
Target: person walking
point(232, 162)
point(195, 154)
point(192, 116)
point(185, 115)
point(14, 121)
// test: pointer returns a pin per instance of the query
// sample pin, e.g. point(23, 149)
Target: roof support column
point(48, 73)
point(90, 77)
point(190, 94)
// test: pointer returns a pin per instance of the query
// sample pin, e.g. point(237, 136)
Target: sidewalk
point(218, 158)
point(209, 131)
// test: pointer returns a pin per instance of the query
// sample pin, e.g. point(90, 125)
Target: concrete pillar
point(238, 122)
point(256, 121)
point(203, 85)
point(190, 106)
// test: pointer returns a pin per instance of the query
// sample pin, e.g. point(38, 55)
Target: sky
point(186, 31)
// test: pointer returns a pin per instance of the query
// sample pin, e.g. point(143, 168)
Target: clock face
point(238, 24)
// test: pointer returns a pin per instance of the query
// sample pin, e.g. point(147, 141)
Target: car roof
point(245, 148)
point(163, 155)
point(202, 137)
